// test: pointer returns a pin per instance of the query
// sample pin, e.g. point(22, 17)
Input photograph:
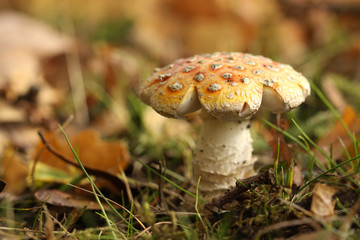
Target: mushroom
point(228, 88)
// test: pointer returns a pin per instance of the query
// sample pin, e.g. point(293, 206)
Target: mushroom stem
point(223, 152)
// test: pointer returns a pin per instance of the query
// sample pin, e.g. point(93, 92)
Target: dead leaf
point(11, 114)
point(298, 178)
point(337, 137)
point(68, 199)
point(14, 171)
point(21, 32)
point(277, 141)
point(24, 43)
point(95, 153)
point(17, 79)
point(323, 204)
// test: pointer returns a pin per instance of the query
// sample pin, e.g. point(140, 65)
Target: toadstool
point(228, 88)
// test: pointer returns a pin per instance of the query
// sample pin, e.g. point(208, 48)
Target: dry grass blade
point(140, 234)
point(49, 225)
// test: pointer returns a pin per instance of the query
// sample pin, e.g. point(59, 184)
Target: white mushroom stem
point(223, 153)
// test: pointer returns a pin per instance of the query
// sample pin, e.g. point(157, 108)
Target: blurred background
point(87, 58)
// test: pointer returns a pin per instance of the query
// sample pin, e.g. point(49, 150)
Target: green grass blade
point(338, 117)
point(297, 141)
point(95, 188)
point(168, 180)
point(91, 183)
point(333, 163)
point(332, 109)
point(328, 171)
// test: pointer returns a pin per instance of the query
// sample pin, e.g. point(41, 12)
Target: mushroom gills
point(190, 103)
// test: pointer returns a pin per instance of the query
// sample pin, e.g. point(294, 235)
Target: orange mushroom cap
point(229, 86)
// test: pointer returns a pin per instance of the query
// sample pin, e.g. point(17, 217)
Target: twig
point(265, 177)
point(118, 183)
point(127, 185)
point(38, 154)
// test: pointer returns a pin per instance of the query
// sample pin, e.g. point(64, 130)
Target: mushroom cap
point(229, 86)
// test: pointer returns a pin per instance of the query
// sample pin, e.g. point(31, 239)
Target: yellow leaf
point(95, 153)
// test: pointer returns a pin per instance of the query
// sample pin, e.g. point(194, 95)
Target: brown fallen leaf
point(277, 141)
point(17, 79)
point(19, 31)
point(338, 138)
point(25, 41)
point(298, 176)
point(95, 153)
point(68, 199)
point(11, 114)
point(323, 204)
point(13, 171)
